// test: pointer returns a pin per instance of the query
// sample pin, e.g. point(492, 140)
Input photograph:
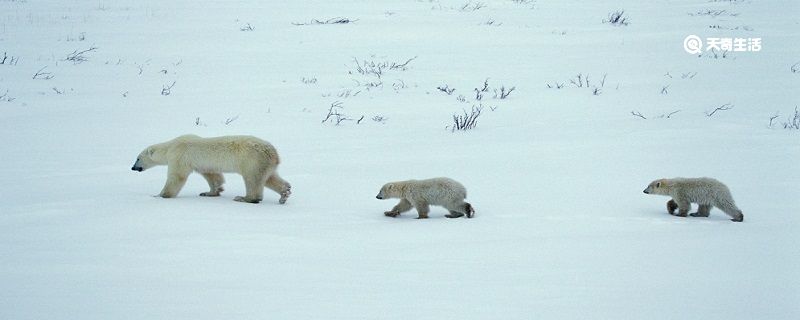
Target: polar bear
point(420, 194)
point(255, 159)
point(706, 192)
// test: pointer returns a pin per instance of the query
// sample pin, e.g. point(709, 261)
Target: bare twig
point(228, 121)
point(379, 118)
point(79, 56)
point(42, 75)
point(638, 114)
point(333, 110)
point(794, 121)
point(617, 18)
point(505, 93)
point(772, 119)
point(446, 89)
point(723, 107)
point(335, 115)
point(478, 94)
point(167, 89)
point(377, 68)
point(669, 115)
point(485, 85)
point(5, 97)
point(579, 82)
point(12, 62)
point(473, 6)
point(247, 27)
point(337, 20)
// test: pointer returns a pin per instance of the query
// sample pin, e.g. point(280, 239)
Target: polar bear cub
point(421, 194)
point(706, 192)
point(255, 159)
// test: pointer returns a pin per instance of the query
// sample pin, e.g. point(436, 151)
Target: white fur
point(420, 194)
point(255, 159)
point(706, 192)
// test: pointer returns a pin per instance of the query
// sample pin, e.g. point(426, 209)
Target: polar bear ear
point(150, 151)
point(389, 186)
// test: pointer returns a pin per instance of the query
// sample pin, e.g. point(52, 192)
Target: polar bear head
point(389, 190)
point(150, 157)
point(660, 186)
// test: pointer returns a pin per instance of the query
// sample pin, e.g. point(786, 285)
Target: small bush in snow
point(662, 116)
point(377, 68)
point(446, 89)
point(228, 121)
point(617, 18)
point(472, 6)
point(337, 20)
point(247, 27)
point(718, 54)
point(504, 93)
point(794, 121)
point(79, 56)
point(336, 116)
point(583, 81)
point(6, 98)
point(466, 121)
point(379, 118)
point(312, 80)
point(11, 61)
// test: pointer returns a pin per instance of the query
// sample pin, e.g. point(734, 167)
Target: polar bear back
point(222, 154)
point(701, 190)
point(436, 191)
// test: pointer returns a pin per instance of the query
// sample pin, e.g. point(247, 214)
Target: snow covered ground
point(563, 230)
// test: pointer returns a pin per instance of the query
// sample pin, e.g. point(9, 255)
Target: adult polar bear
point(255, 159)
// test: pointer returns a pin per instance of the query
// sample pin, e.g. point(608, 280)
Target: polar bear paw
point(245, 199)
point(285, 195)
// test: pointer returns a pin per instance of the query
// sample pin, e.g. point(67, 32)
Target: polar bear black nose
point(645, 191)
point(137, 169)
point(378, 197)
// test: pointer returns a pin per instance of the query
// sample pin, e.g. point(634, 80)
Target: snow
point(562, 229)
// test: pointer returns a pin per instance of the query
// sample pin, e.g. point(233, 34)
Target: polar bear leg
point(702, 211)
point(672, 206)
point(731, 210)
point(683, 207)
point(176, 178)
point(401, 207)
point(215, 182)
point(254, 184)
point(459, 209)
point(422, 209)
point(277, 184)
